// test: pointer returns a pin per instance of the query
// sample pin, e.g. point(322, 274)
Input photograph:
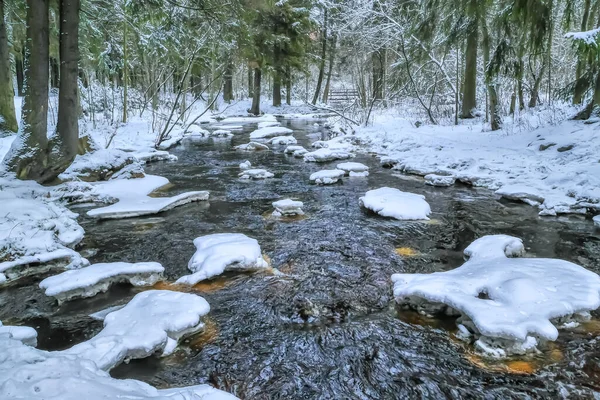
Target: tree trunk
point(255, 109)
point(8, 119)
point(125, 72)
point(322, 63)
point(228, 83)
point(495, 118)
point(250, 83)
point(470, 81)
point(288, 85)
point(330, 70)
point(28, 154)
point(54, 73)
point(537, 84)
point(20, 77)
point(579, 86)
point(64, 148)
point(377, 58)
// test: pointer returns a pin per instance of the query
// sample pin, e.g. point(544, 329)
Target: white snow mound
point(252, 146)
point(389, 202)
point(292, 149)
point(153, 321)
point(222, 252)
point(439, 180)
point(326, 154)
point(283, 140)
point(256, 174)
point(327, 176)
point(97, 278)
point(268, 124)
point(288, 207)
point(352, 167)
point(23, 334)
point(245, 165)
point(269, 132)
point(503, 300)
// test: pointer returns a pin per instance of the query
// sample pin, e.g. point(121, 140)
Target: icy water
point(328, 328)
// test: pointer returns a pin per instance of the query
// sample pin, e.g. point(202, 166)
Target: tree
point(8, 119)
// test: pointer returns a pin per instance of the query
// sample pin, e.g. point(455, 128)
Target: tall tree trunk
point(495, 118)
point(125, 72)
point(470, 81)
point(580, 86)
point(377, 58)
point(250, 82)
point(20, 75)
point(322, 63)
point(276, 89)
point(288, 85)
point(228, 82)
point(65, 143)
point(28, 154)
point(537, 84)
point(330, 70)
point(8, 119)
point(255, 109)
point(54, 73)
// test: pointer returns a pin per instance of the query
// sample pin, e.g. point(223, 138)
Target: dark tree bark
point(580, 86)
point(277, 77)
point(54, 73)
point(470, 80)
point(250, 82)
point(228, 83)
point(377, 59)
point(255, 109)
point(20, 75)
point(288, 85)
point(322, 63)
point(330, 69)
point(494, 108)
point(28, 154)
point(8, 119)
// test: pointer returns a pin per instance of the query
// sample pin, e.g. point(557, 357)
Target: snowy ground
point(555, 167)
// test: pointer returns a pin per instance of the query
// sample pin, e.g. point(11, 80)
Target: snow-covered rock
point(231, 128)
point(288, 207)
point(524, 193)
point(327, 176)
point(272, 131)
point(195, 130)
point(256, 174)
point(327, 154)
point(508, 304)
point(319, 144)
point(268, 124)
point(283, 140)
point(292, 149)
point(222, 252)
point(221, 133)
point(23, 334)
point(390, 202)
point(299, 153)
point(97, 278)
point(97, 165)
point(245, 165)
point(29, 373)
point(439, 180)
point(596, 220)
point(252, 146)
point(152, 322)
point(153, 156)
point(363, 174)
point(350, 167)
point(133, 200)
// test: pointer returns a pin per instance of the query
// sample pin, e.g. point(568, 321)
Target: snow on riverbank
point(393, 203)
point(507, 305)
point(24, 334)
point(559, 165)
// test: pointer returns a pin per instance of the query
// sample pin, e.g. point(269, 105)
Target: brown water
point(328, 329)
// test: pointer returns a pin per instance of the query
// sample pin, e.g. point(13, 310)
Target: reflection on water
point(327, 327)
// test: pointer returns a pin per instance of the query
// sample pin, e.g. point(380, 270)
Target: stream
point(328, 327)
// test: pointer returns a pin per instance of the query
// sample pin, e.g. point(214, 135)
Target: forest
point(299, 199)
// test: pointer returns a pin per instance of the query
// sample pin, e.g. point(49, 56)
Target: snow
point(273, 131)
point(252, 146)
point(268, 124)
point(133, 199)
point(246, 165)
point(353, 167)
point(222, 252)
point(523, 297)
point(153, 321)
point(596, 220)
point(292, 149)
point(363, 174)
point(195, 130)
point(29, 373)
point(102, 163)
point(221, 133)
point(24, 334)
point(327, 154)
point(97, 278)
point(153, 156)
point(567, 181)
point(288, 207)
point(327, 176)
point(390, 202)
point(439, 180)
point(283, 140)
point(256, 174)
point(588, 37)
point(230, 127)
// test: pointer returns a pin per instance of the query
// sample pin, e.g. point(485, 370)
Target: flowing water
point(328, 328)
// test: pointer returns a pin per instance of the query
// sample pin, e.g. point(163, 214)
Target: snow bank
point(327, 154)
point(252, 146)
point(195, 130)
point(270, 132)
point(268, 124)
point(596, 220)
point(509, 305)
point(34, 229)
point(246, 165)
point(153, 156)
point(355, 167)
point(222, 252)
point(133, 200)
point(389, 202)
point(283, 140)
point(327, 176)
point(439, 180)
point(152, 322)
point(23, 334)
point(256, 174)
point(288, 207)
point(521, 192)
point(97, 165)
point(97, 278)
point(29, 373)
